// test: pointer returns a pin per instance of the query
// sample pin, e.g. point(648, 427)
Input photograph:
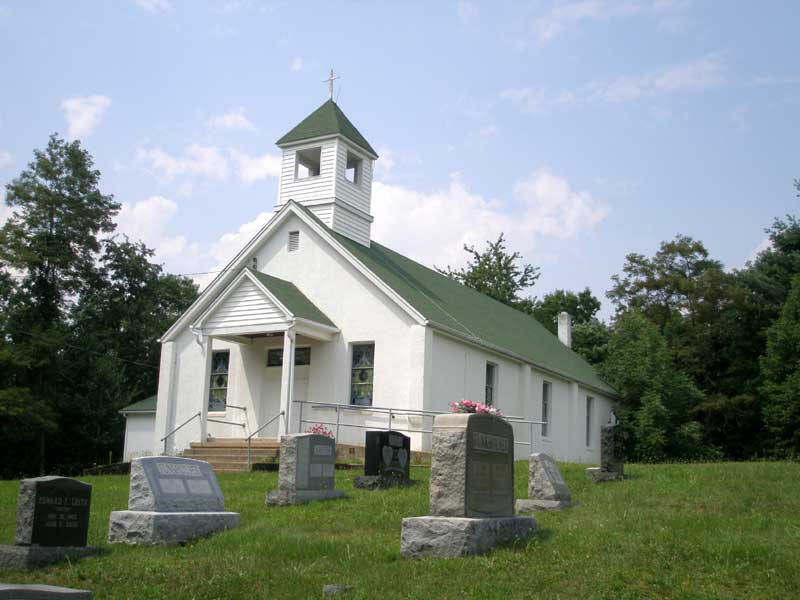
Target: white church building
point(315, 322)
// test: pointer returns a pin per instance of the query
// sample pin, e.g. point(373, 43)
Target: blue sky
point(583, 129)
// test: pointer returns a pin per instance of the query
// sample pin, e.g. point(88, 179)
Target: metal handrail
point(394, 412)
point(226, 422)
point(164, 439)
point(250, 437)
point(244, 408)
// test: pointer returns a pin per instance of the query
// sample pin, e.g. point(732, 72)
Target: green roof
point(328, 119)
point(293, 299)
point(465, 311)
point(146, 405)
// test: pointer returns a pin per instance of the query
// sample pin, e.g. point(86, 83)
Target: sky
point(582, 129)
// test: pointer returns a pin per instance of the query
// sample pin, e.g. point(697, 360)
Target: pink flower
point(320, 429)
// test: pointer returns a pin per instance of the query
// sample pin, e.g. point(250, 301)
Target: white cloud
point(737, 116)
point(206, 161)
point(228, 245)
point(467, 11)
point(254, 168)
point(296, 64)
point(702, 74)
point(433, 227)
point(233, 119)
point(155, 6)
point(84, 114)
point(562, 17)
point(765, 244)
point(147, 221)
point(6, 158)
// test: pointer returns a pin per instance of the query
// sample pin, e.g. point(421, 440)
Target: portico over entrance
point(275, 328)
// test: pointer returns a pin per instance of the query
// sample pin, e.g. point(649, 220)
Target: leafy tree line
point(706, 360)
point(81, 310)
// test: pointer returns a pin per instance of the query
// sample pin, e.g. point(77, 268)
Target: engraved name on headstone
point(53, 511)
point(171, 484)
point(490, 468)
point(387, 454)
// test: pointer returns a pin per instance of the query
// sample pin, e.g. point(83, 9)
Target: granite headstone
point(52, 522)
point(547, 489)
point(471, 491)
point(171, 500)
point(306, 471)
point(20, 591)
point(387, 460)
point(611, 457)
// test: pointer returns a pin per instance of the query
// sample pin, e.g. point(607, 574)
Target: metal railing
point(393, 413)
point(166, 437)
point(250, 437)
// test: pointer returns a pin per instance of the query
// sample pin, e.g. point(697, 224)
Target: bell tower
point(327, 167)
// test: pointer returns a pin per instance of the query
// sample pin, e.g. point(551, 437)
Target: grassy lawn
point(728, 530)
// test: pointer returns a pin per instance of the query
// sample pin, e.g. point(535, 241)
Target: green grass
point(698, 531)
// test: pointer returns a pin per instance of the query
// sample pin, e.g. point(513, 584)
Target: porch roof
point(292, 298)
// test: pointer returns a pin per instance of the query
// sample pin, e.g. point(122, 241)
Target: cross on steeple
point(330, 81)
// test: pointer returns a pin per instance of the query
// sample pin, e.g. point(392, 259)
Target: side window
point(491, 383)
point(218, 391)
point(546, 411)
point(589, 419)
point(362, 374)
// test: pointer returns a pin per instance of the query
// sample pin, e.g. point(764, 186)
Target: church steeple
point(327, 166)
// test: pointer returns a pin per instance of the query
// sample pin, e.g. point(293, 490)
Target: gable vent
point(294, 241)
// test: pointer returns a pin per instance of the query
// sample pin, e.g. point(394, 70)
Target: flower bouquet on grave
point(470, 406)
point(320, 429)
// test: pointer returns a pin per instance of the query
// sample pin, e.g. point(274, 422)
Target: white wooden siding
point(324, 213)
point(311, 188)
point(246, 305)
point(351, 225)
point(357, 194)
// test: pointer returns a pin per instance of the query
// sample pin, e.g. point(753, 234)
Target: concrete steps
point(230, 455)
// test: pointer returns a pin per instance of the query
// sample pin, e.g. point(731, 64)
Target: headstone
point(387, 460)
point(471, 491)
point(52, 522)
point(306, 472)
point(611, 457)
point(18, 591)
point(546, 487)
point(332, 590)
point(171, 500)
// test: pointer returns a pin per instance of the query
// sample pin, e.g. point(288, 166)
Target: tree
point(590, 340)
point(496, 273)
point(51, 240)
point(582, 307)
point(780, 367)
point(655, 396)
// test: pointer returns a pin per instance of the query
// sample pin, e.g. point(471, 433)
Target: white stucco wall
point(459, 371)
point(139, 429)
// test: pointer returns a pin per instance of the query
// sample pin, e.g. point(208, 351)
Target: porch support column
point(207, 354)
point(287, 378)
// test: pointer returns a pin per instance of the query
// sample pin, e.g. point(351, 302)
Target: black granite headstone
point(490, 467)
point(387, 454)
point(60, 512)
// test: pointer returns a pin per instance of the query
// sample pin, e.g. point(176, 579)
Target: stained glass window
point(302, 356)
point(218, 391)
point(361, 375)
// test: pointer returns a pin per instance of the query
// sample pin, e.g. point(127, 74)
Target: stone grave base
point(33, 557)
point(148, 528)
point(379, 482)
point(453, 537)
point(597, 475)
point(18, 591)
point(528, 505)
point(291, 498)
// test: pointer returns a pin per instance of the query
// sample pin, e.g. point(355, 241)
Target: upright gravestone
point(306, 471)
point(387, 460)
point(471, 491)
point(171, 500)
point(546, 487)
point(611, 458)
point(52, 523)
